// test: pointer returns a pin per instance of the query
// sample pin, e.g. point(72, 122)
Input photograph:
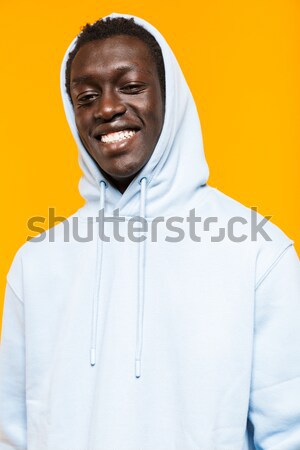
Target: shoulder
point(40, 251)
point(266, 241)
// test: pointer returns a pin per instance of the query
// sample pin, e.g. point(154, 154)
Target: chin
point(123, 172)
point(121, 175)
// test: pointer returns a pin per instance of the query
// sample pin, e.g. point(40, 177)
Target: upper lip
point(105, 129)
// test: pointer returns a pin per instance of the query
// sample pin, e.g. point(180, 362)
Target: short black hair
point(113, 27)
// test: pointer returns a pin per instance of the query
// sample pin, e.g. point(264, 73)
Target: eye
point(86, 98)
point(133, 88)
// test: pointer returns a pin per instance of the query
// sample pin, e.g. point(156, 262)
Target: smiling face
point(118, 105)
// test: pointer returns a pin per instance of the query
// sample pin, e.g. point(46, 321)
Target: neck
point(120, 183)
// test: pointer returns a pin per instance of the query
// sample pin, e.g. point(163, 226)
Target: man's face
point(115, 87)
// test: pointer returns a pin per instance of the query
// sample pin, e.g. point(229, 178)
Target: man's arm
point(12, 375)
point(275, 393)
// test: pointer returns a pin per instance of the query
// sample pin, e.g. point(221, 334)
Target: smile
point(117, 136)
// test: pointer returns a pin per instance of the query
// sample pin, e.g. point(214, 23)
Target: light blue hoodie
point(156, 345)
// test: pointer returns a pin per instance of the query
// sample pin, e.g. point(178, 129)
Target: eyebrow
point(122, 69)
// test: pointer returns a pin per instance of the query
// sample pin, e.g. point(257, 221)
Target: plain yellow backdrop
point(241, 61)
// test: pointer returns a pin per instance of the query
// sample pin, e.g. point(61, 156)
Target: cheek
point(155, 122)
point(154, 113)
point(78, 123)
point(82, 123)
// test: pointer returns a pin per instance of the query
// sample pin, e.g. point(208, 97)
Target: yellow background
point(241, 60)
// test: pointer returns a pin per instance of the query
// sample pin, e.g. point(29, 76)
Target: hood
point(170, 183)
point(177, 168)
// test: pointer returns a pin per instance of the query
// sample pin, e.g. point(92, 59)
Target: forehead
point(111, 52)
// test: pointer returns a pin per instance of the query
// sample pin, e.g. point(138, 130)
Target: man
point(188, 339)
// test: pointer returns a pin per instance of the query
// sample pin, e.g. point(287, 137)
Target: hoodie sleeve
point(274, 408)
point(12, 374)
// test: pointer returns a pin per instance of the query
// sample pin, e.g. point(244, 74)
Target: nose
point(109, 105)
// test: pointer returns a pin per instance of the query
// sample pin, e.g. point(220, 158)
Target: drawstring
point(98, 280)
point(141, 284)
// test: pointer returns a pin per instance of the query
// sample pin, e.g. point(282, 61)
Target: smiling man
point(169, 344)
point(118, 104)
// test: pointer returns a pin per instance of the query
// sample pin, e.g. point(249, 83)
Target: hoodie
point(187, 339)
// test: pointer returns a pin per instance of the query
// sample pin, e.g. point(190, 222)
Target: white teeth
point(117, 136)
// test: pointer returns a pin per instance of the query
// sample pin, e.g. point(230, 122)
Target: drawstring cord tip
point(137, 369)
point(93, 357)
